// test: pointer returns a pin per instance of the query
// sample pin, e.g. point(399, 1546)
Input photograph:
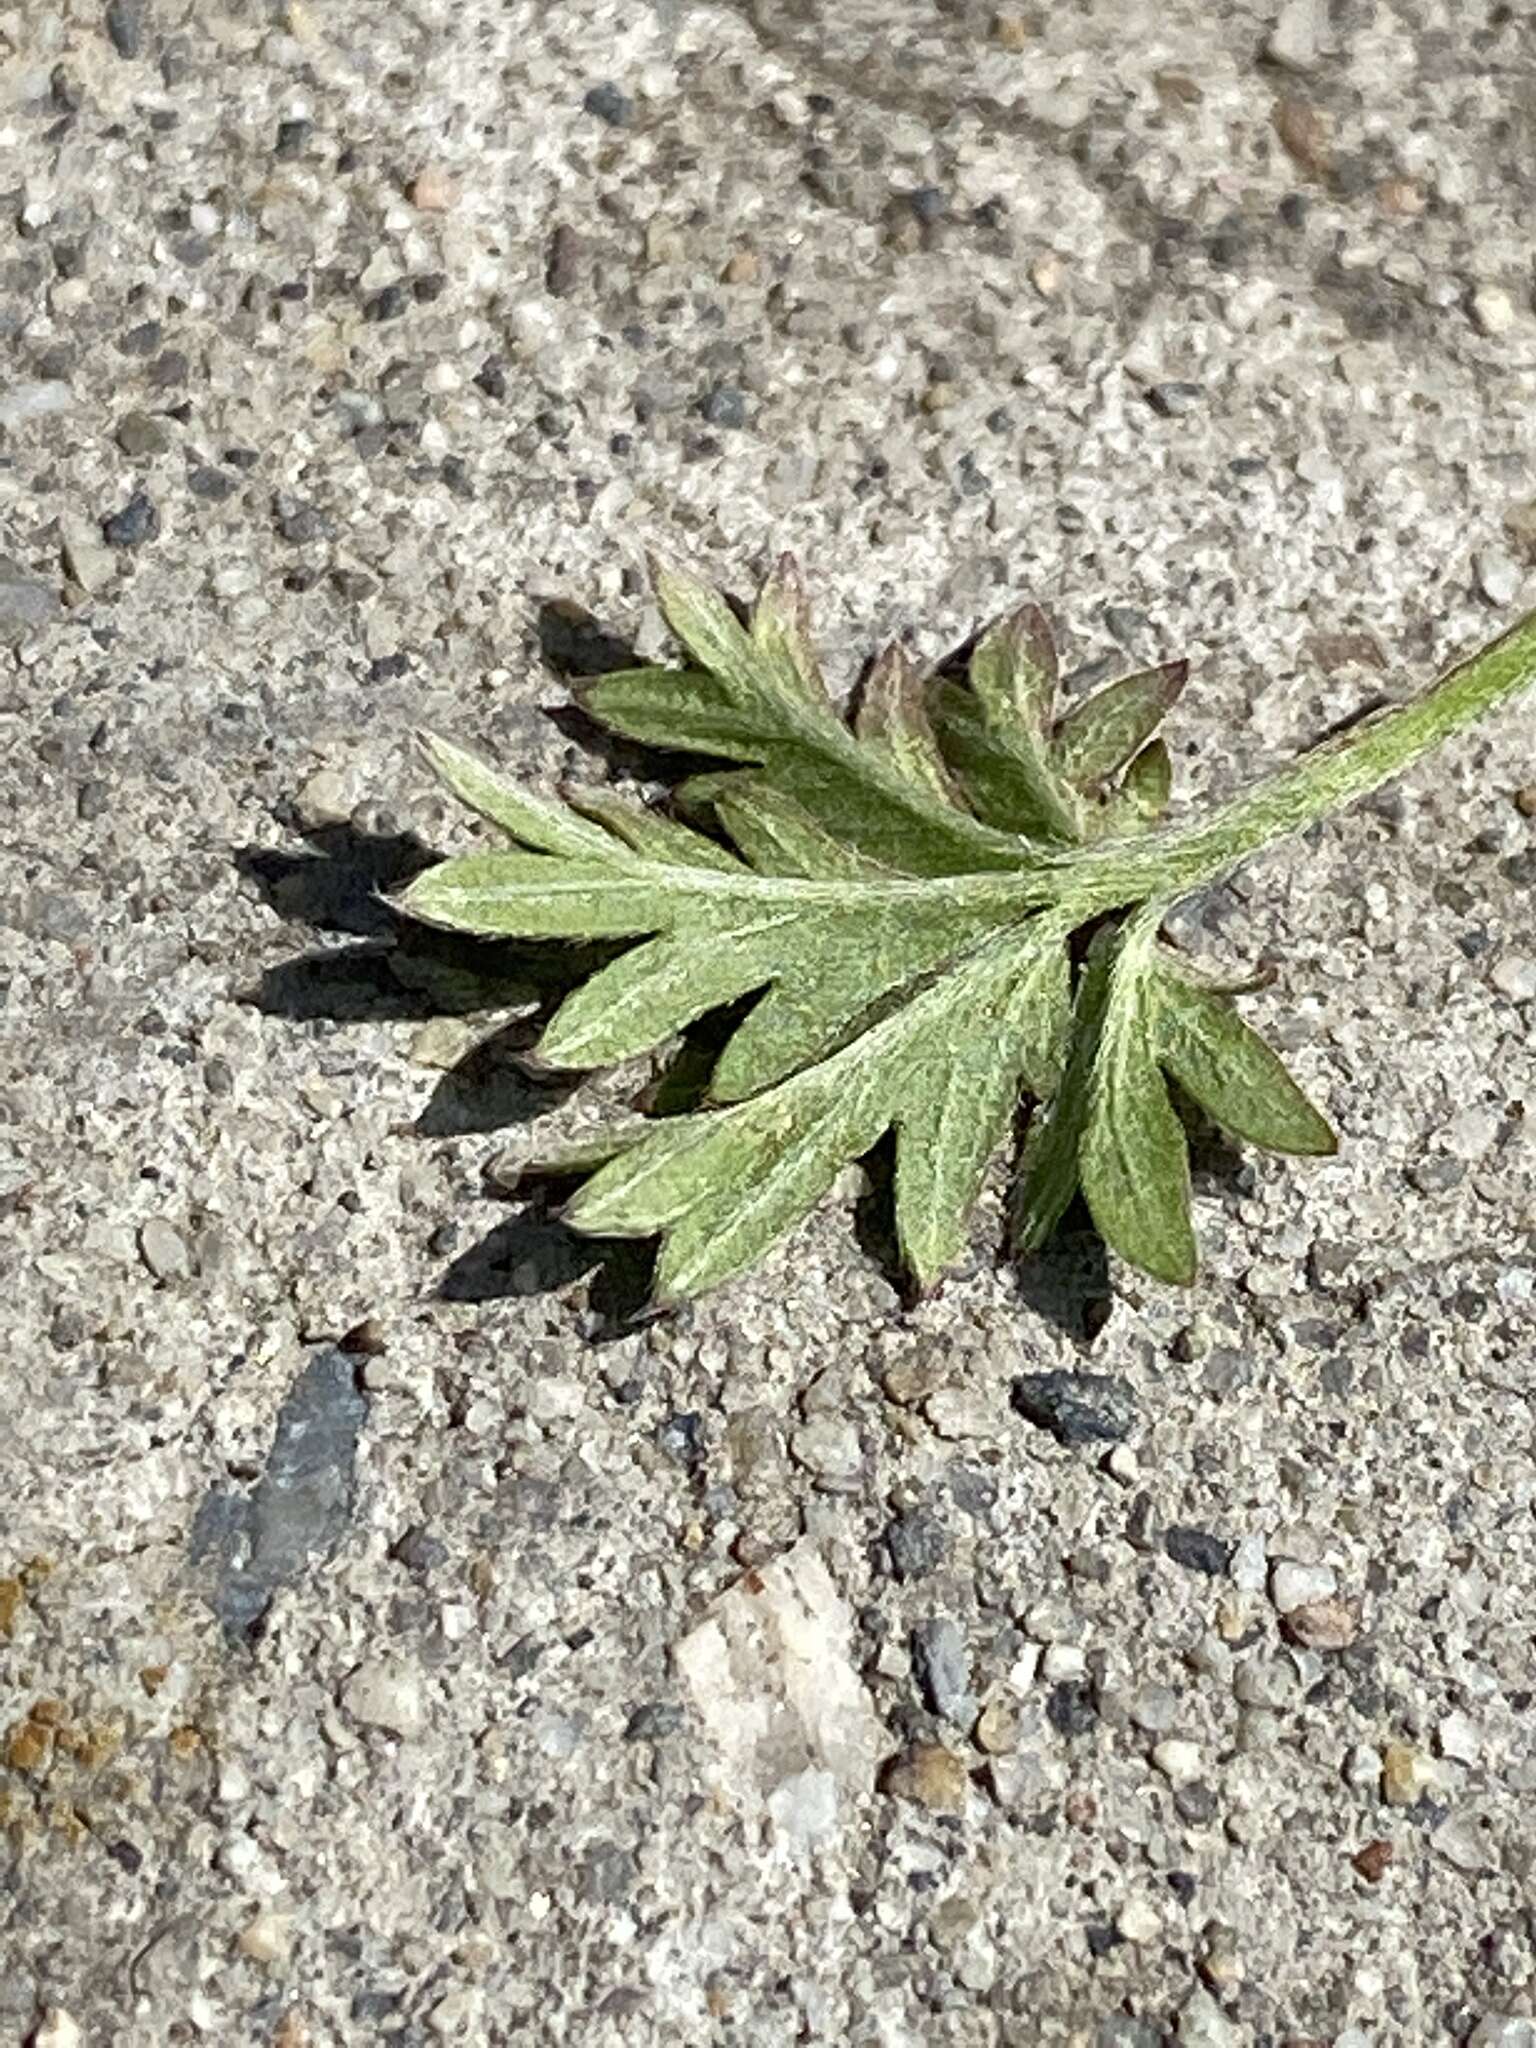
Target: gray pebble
point(137, 522)
point(164, 1250)
point(609, 104)
point(942, 1665)
point(26, 603)
point(125, 27)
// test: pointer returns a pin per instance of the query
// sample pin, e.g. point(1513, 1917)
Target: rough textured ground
point(398, 1692)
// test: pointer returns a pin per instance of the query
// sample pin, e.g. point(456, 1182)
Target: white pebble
point(1138, 1920)
point(1515, 976)
point(57, 2030)
point(1492, 309)
point(1178, 1760)
point(385, 1695)
point(1298, 1585)
point(1294, 41)
point(558, 1397)
point(1063, 1664)
point(1498, 574)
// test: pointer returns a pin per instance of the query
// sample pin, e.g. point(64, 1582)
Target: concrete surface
point(412, 1691)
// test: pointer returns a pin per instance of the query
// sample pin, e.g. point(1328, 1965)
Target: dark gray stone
point(915, 1543)
point(1198, 1550)
point(137, 522)
point(1077, 1407)
point(609, 104)
point(298, 1510)
point(125, 27)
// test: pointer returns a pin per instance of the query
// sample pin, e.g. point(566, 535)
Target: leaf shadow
point(1067, 1281)
point(533, 1252)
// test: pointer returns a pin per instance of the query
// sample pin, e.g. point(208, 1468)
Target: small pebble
point(1077, 1407)
point(932, 1776)
point(828, 1445)
point(1293, 1585)
point(1323, 1624)
point(609, 104)
point(1503, 2030)
point(327, 798)
point(164, 1250)
point(56, 2029)
point(1525, 800)
point(1171, 401)
point(1047, 273)
point(125, 27)
point(1492, 310)
point(1498, 575)
point(137, 522)
point(142, 434)
point(1304, 134)
point(1514, 975)
point(744, 267)
point(1138, 1920)
point(441, 1043)
point(432, 190)
point(1178, 1760)
point(942, 1666)
point(1198, 1550)
point(386, 1695)
point(1294, 41)
point(960, 1412)
point(1011, 32)
point(1373, 1860)
point(268, 1938)
point(997, 1728)
point(1406, 1774)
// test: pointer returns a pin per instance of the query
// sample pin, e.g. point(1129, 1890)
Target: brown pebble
point(745, 267)
point(1080, 1810)
point(28, 1747)
point(1372, 1860)
point(432, 190)
point(152, 1677)
point(1401, 197)
point(1011, 32)
point(48, 1713)
point(997, 1729)
point(1177, 89)
point(12, 1600)
point(1304, 133)
point(364, 1339)
point(185, 1741)
point(1323, 1624)
point(930, 1775)
point(1525, 804)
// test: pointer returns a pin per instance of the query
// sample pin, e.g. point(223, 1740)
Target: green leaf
point(781, 631)
point(1148, 782)
point(1013, 673)
point(1049, 1174)
point(546, 827)
point(892, 960)
point(1097, 737)
point(1134, 1157)
point(1010, 784)
point(1008, 1017)
point(647, 832)
point(855, 792)
point(1235, 1077)
point(892, 717)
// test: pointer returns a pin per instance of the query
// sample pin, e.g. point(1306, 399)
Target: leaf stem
point(1176, 863)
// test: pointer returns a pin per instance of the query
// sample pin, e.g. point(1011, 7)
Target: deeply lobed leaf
point(899, 898)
